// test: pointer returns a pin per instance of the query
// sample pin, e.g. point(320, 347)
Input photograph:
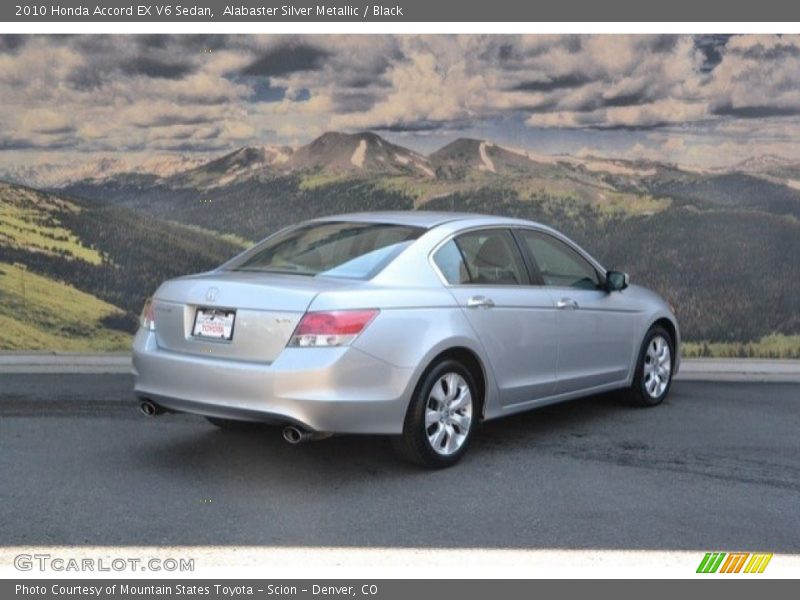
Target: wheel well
point(471, 361)
point(670, 327)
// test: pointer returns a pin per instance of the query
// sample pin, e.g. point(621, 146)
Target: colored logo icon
point(734, 562)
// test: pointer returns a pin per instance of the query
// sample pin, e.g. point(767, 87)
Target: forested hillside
point(107, 252)
point(254, 207)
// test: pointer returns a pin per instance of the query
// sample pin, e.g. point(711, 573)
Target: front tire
point(441, 417)
point(653, 377)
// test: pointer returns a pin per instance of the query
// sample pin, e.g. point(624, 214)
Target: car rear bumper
point(335, 390)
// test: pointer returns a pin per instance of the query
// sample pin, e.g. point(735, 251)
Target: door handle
point(479, 302)
point(567, 304)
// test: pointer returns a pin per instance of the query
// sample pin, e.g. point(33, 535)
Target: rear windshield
point(334, 249)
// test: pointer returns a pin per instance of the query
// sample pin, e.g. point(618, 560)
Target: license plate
point(214, 323)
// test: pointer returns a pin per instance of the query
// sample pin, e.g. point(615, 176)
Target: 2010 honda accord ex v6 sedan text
point(413, 324)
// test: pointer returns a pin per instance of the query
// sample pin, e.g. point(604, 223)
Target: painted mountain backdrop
point(81, 247)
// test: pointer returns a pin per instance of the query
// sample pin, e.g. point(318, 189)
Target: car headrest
point(493, 253)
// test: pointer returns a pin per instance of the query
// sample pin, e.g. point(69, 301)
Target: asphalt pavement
point(717, 466)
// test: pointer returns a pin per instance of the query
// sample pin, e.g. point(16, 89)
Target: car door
point(514, 321)
point(595, 328)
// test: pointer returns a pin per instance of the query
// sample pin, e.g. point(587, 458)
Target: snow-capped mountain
point(359, 153)
point(367, 154)
point(239, 165)
point(764, 164)
point(482, 155)
point(465, 154)
point(59, 174)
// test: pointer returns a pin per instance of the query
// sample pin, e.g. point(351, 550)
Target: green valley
point(74, 274)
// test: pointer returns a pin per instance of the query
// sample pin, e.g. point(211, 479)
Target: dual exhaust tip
point(150, 409)
point(291, 433)
point(295, 435)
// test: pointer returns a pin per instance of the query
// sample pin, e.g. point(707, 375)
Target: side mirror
point(616, 281)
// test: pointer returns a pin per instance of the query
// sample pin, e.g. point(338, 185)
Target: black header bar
point(472, 11)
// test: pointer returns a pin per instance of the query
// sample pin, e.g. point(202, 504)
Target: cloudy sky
point(695, 100)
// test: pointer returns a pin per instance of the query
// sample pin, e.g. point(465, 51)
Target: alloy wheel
point(657, 366)
point(448, 414)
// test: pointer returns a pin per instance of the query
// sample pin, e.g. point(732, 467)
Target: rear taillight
point(334, 328)
point(148, 318)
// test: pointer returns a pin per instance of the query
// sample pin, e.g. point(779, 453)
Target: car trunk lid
point(267, 309)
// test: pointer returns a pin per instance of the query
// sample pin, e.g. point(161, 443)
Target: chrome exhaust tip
point(149, 408)
point(294, 435)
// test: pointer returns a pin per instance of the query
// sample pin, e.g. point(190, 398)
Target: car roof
point(423, 218)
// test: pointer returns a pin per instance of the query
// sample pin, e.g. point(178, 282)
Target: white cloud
point(95, 93)
point(758, 74)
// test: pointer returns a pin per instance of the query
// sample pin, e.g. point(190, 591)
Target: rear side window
point(485, 257)
point(451, 264)
point(335, 249)
point(558, 264)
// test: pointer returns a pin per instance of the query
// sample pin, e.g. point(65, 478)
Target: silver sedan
point(416, 324)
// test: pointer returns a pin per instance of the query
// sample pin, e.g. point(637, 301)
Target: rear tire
point(441, 418)
point(653, 377)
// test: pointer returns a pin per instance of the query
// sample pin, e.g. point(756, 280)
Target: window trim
point(534, 280)
point(534, 274)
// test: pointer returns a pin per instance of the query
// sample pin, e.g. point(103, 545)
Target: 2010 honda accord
point(413, 324)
